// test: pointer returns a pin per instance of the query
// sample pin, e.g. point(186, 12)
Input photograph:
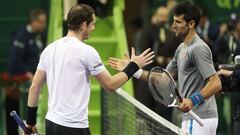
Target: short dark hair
point(190, 11)
point(79, 14)
point(34, 14)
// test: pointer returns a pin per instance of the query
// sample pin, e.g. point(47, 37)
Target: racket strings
point(161, 86)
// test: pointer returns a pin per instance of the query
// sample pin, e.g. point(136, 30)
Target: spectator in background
point(137, 24)
point(162, 40)
point(208, 31)
point(226, 49)
point(27, 44)
point(171, 4)
point(203, 28)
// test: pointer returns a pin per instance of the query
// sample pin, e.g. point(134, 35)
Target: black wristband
point(31, 115)
point(131, 68)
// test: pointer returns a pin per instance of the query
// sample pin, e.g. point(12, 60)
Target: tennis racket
point(21, 123)
point(164, 90)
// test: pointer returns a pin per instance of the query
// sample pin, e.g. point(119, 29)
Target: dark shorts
point(55, 129)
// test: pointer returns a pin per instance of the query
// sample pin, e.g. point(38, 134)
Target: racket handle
point(20, 123)
point(196, 117)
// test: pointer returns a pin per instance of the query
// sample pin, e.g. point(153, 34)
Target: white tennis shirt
point(68, 63)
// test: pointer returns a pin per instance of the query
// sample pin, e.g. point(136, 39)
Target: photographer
point(227, 45)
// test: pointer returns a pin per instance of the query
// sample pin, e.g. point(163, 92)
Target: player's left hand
point(186, 105)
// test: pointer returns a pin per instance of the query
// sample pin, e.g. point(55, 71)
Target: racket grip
point(19, 121)
point(196, 117)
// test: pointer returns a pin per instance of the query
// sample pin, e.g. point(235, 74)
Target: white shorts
point(193, 128)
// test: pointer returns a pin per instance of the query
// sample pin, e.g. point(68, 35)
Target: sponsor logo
point(98, 65)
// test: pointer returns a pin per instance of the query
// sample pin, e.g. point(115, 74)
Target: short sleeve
point(93, 62)
point(202, 57)
point(172, 66)
point(42, 61)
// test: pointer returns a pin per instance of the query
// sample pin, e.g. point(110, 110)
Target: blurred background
point(28, 26)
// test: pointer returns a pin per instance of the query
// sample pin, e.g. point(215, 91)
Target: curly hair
point(190, 11)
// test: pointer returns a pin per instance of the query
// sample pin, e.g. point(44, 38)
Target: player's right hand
point(143, 59)
point(186, 105)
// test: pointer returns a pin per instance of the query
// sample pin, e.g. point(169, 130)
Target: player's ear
point(192, 24)
point(83, 26)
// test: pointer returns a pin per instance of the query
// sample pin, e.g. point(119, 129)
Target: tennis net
point(124, 115)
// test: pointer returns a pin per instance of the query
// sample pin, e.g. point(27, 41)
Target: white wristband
point(138, 74)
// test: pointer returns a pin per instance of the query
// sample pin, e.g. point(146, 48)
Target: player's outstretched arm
point(120, 64)
point(127, 70)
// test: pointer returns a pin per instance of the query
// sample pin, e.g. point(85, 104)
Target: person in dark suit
point(27, 45)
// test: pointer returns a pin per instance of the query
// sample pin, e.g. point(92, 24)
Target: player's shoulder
point(84, 47)
point(46, 49)
point(89, 48)
point(79, 45)
point(51, 45)
point(199, 44)
point(49, 48)
point(200, 48)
